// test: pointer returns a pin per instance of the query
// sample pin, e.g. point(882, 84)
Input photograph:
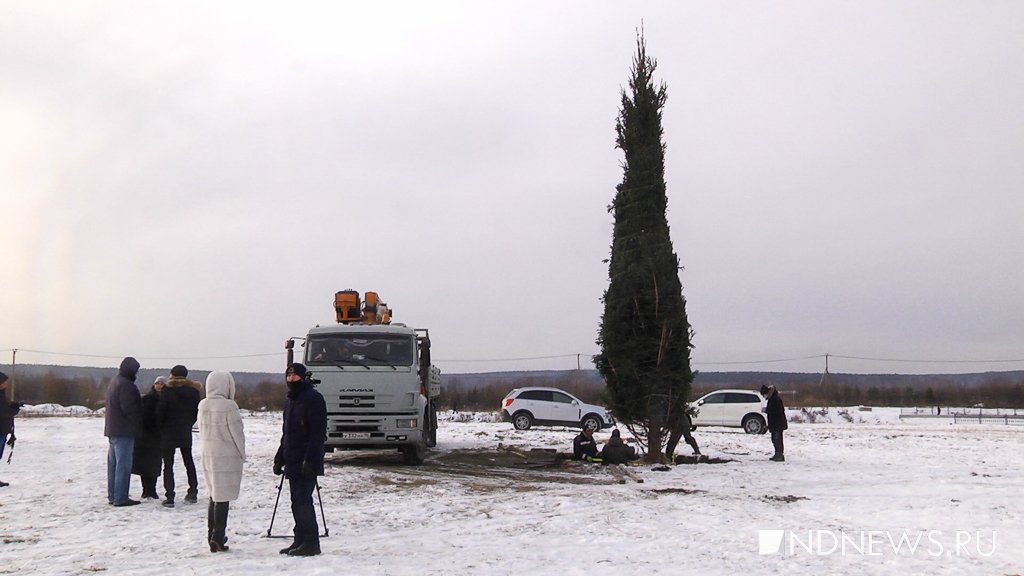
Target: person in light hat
point(222, 436)
point(146, 457)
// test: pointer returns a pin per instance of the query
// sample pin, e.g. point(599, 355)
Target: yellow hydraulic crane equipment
point(350, 310)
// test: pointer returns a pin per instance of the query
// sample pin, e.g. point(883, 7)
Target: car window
point(740, 398)
point(563, 398)
point(544, 395)
point(715, 399)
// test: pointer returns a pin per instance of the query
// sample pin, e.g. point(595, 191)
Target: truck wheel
point(413, 454)
point(522, 421)
point(430, 423)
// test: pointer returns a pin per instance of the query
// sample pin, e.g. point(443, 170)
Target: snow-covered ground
point(852, 485)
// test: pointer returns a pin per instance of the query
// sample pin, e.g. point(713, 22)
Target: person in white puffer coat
point(223, 451)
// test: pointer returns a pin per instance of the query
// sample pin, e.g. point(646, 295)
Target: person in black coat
point(146, 458)
point(176, 413)
point(584, 446)
point(122, 424)
point(7, 412)
point(300, 456)
point(776, 421)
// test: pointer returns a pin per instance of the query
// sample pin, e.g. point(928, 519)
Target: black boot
point(209, 524)
point(290, 547)
point(220, 524)
point(306, 549)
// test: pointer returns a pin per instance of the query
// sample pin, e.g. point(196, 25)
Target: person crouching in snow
point(222, 436)
point(616, 451)
point(584, 447)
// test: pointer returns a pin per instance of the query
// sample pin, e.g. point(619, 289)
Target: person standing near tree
point(176, 413)
point(776, 420)
point(146, 457)
point(682, 428)
point(300, 456)
point(222, 437)
point(7, 412)
point(122, 424)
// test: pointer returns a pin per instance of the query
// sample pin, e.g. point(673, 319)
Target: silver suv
point(526, 407)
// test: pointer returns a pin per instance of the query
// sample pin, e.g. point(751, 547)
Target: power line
point(741, 362)
point(551, 357)
point(927, 361)
point(514, 359)
point(100, 356)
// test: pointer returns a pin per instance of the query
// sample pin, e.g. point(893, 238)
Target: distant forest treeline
point(85, 386)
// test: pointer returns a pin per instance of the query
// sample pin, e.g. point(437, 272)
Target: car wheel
point(522, 421)
point(754, 424)
point(591, 422)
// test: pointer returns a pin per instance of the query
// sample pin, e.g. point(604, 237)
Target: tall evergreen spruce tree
point(644, 334)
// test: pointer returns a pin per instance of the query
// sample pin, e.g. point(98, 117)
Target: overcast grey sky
point(184, 181)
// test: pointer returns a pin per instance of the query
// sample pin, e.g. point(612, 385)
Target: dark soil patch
point(783, 499)
point(677, 491)
point(680, 459)
point(484, 469)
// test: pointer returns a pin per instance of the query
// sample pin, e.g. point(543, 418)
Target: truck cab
point(378, 383)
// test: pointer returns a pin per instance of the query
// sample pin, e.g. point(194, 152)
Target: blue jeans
point(119, 468)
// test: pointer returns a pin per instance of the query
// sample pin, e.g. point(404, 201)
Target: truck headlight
point(407, 423)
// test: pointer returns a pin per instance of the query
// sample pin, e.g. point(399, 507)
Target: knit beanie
point(298, 369)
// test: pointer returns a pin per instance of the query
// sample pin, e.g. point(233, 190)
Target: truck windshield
point(359, 349)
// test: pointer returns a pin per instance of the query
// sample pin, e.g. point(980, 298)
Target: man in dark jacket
point(776, 420)
point(176, 413)
point(122, 423)
point(7, 412)
point(584, 447)
point(301, 456)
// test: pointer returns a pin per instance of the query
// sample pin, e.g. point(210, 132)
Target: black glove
point(10, 441)
point(278, 469)
point(308, 471)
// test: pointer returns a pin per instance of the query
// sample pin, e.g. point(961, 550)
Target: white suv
point(734, 408)
point(525, 407)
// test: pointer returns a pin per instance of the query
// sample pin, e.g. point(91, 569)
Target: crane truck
point(376, 378)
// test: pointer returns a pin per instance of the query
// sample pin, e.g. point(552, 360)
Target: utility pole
point(576, 377)
point(14, 369)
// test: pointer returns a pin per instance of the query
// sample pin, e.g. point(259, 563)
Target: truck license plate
point(355, 435)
